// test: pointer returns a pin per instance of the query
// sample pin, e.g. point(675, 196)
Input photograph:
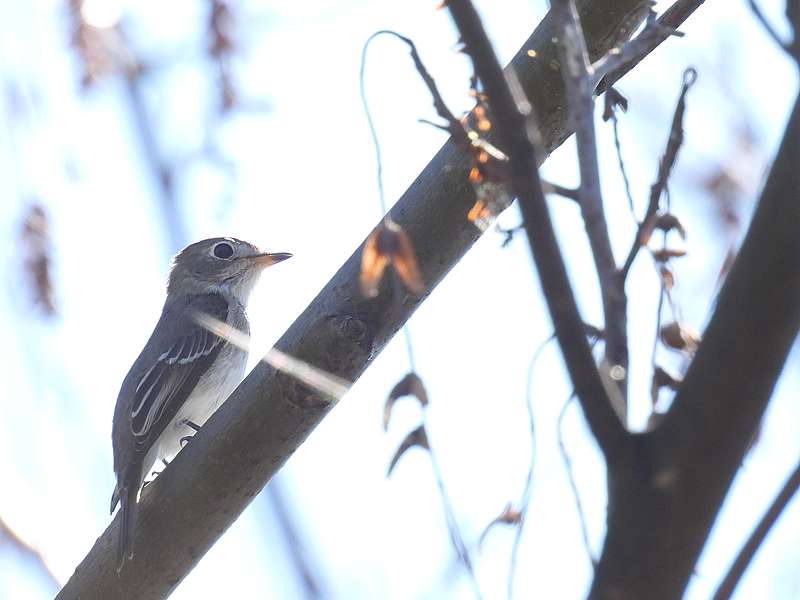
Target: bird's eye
point(223, 250)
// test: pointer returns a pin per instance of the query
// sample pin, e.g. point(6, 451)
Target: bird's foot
point(191, 425)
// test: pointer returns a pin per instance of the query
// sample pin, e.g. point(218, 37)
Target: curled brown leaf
point(389, 244)
point(509, 516)
point(410, 385)
point(417, 437)
point(668, 222)
point(680, 336)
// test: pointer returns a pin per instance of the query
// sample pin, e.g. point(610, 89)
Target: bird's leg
point(185, 439)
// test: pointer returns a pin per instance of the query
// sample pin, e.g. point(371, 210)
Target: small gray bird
point(184, 372)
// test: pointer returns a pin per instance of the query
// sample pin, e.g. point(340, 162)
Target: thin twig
point(293, 542)
point(452, 523)
point(554, 188)
point(527, 490)
point(510, 124)
point(573, 486)
point(621, 162)
point(27, 549)
point(577, 74)
point(728, 585)
point(761, 17)
point(653, 33)
point(664, 169)
point(652, 36)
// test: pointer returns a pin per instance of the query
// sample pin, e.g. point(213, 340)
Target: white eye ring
point(223, 251)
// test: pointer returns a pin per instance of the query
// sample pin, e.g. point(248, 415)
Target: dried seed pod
point(410, 385)
point(664, 254)
point(389, 244)
point(417, 437)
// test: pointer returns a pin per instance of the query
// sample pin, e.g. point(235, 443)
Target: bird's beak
point(269, 258)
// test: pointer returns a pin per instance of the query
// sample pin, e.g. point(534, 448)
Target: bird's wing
point(179, 362)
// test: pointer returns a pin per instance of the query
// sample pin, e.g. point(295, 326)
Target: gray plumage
point(184, 371)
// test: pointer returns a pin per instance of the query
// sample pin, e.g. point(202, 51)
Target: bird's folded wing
point(181, 360)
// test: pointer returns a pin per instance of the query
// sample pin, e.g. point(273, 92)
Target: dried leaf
point(35, 245)
point(373, 264)
point(389, 244)
point(418, 437)
point(664, 254)
point(410, 385)
point(493, 199)
point(662, 379)
point(614, 99)
point(509, 516)
point(679, 336)
point(668, 222)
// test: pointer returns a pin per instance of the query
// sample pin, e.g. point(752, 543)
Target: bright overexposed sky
point(305, 183)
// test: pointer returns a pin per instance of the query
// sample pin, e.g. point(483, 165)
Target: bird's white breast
point(213, 388)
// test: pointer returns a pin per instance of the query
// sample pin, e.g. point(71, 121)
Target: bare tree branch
point(648, 40)
point(748, 551)
point(577, 74)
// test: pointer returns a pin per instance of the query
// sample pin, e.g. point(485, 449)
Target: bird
point(184, 371)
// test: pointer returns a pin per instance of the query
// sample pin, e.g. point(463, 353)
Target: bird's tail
point(128, 510)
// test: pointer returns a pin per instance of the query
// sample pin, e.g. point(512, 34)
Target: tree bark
point(232, 458)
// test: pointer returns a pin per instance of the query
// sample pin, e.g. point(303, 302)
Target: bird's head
point(222, 263)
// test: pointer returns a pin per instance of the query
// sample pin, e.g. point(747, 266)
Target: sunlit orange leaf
point(679, 336)
point(475, 175)
point(664, 254)
point(509, 516)
point(410, 385)
point(389, 244)
point(373, 264)
point(418, 437)
point(478, 210)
